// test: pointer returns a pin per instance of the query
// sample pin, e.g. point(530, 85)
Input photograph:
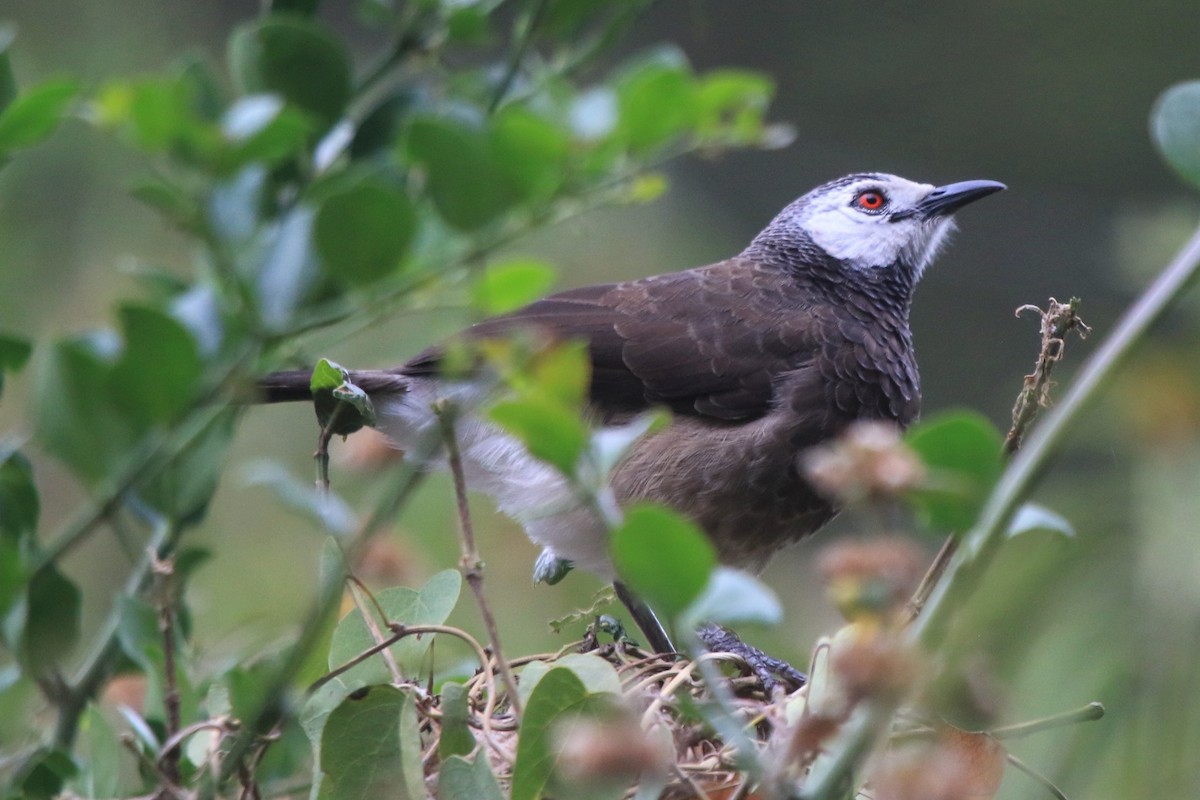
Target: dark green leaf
point(662, 557)
point(1175, 126)
point(456, 738)
point(467, 780)
point(363, 232)
point(18, 496)
point(183, 489)
point(330, 400)
point(34, 114)
point(530, 151)
point(733, 598)
point(305, 7)
point(43, 774)
point(962, 451)
point(466, 184)
point(138, 634)
point(430, 606)
point(550, 431)
point(14, 352)
point(46, 624)
point(371, 748)
point(508, 285)
point(14, 574)
point(159, 371)
point(295, 58)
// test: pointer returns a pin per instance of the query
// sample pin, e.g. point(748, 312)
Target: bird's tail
point(293, 385)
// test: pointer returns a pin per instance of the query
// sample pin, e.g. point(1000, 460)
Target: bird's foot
point(770, 671)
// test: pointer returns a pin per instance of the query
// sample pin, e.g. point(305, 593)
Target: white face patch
point(871, 240)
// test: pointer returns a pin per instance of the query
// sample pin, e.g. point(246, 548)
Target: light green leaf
point(371, 748)
point(962, 451)
point(559, 693)
point(34, 114)
point(362, 233)
point(508, 285)
point(596, 674)
point(100, 775)
point(158, 373)
point(733, 598)
point(465, 182)
point(468, 780)
point(662, 557)
point(1175, 128)
point(550, 431)
point(656, 103)
point(456, 738)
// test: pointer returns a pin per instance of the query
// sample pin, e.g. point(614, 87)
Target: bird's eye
point(870, 200)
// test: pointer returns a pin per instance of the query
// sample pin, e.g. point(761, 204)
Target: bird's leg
point(652, 629)
point(768, 669)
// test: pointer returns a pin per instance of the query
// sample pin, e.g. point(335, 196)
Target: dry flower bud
point(606, 752)
point(869, 461)
point(870, 661)
point(874, 577)
point(958, 766)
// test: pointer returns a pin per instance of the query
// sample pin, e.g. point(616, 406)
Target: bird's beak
point(945, 200)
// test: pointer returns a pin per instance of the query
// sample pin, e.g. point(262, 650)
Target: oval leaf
point(662, 557)
point(362, 233)
point(1175, 127)
point(963, 453)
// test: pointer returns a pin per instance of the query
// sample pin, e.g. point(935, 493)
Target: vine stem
point(982, 542)
point(472, 564)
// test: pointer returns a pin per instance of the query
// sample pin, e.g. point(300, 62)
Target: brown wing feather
point(711, 341)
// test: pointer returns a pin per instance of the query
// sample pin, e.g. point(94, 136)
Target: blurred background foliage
point(1051, 98)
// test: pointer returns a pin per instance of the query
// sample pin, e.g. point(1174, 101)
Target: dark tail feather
point(293, 385)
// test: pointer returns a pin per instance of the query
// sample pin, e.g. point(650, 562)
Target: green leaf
point(14, 353)
point(549, 431)
point(371, 748)
point(662, 557)
point(732, 104)
point(18, 496)
point(465, 182)
point(362, 233)
point(460, 779)
point(183, 489)
point(100, 773)
point(289, 268)
point(340, 405)
point(295, 58)
point(596, 674)
point(733, 598)
point(656, 103)
point(530, 151)
point(1175, 128)
point(326, 508)
point(508, 285)
point(8, 82)
point(1034, 518)
point(610, 444)
point(34, 114)
point(456, 738)
point(158, 373)
point(45, 624)
point(43, 774)
point(261, 128)
point(430, 606)
point(558, 693)
point(962, 451)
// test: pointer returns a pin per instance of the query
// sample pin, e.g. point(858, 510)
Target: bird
point(758, 357)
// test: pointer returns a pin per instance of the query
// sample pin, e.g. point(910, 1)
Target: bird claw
point(770, 671)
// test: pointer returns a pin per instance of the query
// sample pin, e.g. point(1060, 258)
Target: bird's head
point(873, 220)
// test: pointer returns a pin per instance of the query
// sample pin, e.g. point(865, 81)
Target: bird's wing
point(710, 341)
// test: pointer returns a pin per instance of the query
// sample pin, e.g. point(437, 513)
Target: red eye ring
point(870, 200)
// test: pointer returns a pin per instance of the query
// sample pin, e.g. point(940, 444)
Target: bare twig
point(163, 571)
point(1056, 792)
point(373, 626)
point(471, 563)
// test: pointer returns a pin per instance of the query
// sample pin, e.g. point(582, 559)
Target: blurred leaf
point(326, 508)
point(508, 285)
point(430, 606)
point(1032, 517)
point(289, 268)
point(549, 431)
point(295, 58)
point(468, 24)
point(647, 187)
point(8, 82)
point(14, 353)
point(99, 777)
point(1175, 126)
point(465, 182)
point(371, 748)
point(733, 598)
point(176, 205)
point(44, 624)
point(732, 104)
point(561, 373)
point(656, 102)
point(663, 558)
point(34, 114)
point(182, 489)
point(262, 128)
point(77, 420)
point(13, 574)
point(138, 634)
point(158, 373)
point(962, 451)
point(530, 151)
point(456, 738)
point(305, 7)
point(460, 779)
point(18, 496)
point(610, 444)
point(557, 694)
point(550, 568)
point(362, 233)
point(378, 130)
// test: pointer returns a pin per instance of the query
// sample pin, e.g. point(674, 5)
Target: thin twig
point(529, 24)
point(163, 570)
point(373, 626)
point(1089, 713)
point(1037, 776)
point(471, 563)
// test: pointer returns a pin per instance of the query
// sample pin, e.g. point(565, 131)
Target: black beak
point(945, 200)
